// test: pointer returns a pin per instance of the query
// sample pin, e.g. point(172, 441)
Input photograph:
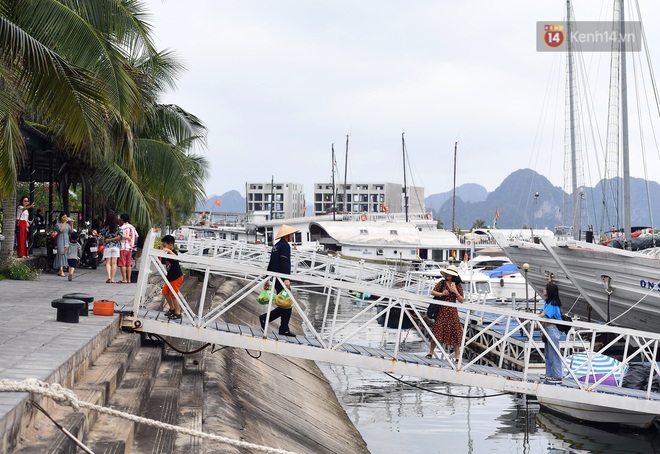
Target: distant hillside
point(518, 207)
point(230, 202)
point(469, 192)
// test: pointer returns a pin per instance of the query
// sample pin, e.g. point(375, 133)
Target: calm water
point(394, 417)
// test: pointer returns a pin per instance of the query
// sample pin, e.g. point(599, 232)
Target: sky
point(277, 83)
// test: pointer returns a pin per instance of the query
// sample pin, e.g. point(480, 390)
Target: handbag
point(432, 311)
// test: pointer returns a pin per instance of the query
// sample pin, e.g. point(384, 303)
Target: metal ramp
point(335, 341)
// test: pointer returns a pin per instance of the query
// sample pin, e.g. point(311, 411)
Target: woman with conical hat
point(280, 262)
point(447, 327)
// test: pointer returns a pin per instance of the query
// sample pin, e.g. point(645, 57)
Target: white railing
point(336, 278)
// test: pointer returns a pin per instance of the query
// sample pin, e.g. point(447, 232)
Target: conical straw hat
point(286, 230)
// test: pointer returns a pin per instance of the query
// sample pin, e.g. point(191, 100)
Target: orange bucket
point(104, 307)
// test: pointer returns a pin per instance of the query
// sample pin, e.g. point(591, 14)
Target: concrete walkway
point(35, 345)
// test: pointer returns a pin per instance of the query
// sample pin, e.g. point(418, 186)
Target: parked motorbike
point(90, 257)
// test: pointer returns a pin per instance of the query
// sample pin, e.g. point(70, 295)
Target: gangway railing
point(335, 341)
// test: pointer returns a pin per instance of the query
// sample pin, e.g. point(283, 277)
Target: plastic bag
point(284, 300)
point(264, 296)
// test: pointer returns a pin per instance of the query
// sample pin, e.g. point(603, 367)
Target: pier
point(499, 334)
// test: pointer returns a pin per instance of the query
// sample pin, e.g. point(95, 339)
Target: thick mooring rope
point(65, 396)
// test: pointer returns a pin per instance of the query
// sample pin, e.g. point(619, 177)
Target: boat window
point(364, 232)
point(379, 252)
point(393, 232)
point(482, 287)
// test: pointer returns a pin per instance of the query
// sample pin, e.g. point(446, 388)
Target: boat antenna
point(405, 185)
point(346, 206)
point(453, 208)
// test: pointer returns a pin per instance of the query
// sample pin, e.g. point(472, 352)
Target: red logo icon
point(553, 35)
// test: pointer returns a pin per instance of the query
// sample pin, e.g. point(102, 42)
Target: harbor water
point(414, 416)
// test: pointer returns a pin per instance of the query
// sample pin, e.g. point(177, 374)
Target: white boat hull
point(598, 414)
point(542, 268)
point(634, 280)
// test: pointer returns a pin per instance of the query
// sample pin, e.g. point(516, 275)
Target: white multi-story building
point(275, 200)
point(366, 198)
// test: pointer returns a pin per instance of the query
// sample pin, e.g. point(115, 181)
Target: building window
point(379, 252)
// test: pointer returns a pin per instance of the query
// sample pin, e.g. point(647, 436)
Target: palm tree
point(478, 224)
point(86, 75)
point(35, 78)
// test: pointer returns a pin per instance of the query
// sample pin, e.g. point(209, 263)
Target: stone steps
point(161, 405)
point(96, 386)
point(115, 435)
point(191, 400)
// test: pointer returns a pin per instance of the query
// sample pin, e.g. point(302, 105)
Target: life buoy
point(428, 215)
point(364, 217)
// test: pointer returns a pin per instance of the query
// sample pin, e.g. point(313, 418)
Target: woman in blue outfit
point(551, 310)
point(280, 262)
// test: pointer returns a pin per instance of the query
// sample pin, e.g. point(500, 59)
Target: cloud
point(278, 82)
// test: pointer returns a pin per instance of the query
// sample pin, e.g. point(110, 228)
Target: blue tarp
point(503, 270)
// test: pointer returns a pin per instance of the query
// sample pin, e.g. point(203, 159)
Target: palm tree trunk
point(163, 218)
point(8, 228)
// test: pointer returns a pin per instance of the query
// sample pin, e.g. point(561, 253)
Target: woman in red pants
point(23, 222)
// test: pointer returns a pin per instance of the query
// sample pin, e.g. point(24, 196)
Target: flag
point(203, 213)
point(497, 213)
point(465, 257)
point(382, 205)
point(217, 201)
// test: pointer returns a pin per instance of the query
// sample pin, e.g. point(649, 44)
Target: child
point(174, 277)
point(73, 254)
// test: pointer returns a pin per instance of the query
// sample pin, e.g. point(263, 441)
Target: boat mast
point(334, 191)
point(405, 185)
point(453, 207)
point(272, 195)
point(624, 133)
point(346, 206)
point(571, 101)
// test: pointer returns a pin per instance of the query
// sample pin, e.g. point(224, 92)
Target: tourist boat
point(597, 437)
point(374, 237)
point(476, 284)
point(506, 280)
point(592, 368)
point(598, 282)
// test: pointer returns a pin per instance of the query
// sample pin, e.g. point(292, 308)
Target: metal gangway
point(335, 340)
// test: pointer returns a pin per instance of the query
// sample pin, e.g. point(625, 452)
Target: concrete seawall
point(270, 399)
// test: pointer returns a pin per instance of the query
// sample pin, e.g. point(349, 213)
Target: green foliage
point(20, 271)
point(478, 224)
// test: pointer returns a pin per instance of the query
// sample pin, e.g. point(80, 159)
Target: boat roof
point(383, 233)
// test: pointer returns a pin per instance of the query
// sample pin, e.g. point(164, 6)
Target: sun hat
point(286, 230)
point(450, 271)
